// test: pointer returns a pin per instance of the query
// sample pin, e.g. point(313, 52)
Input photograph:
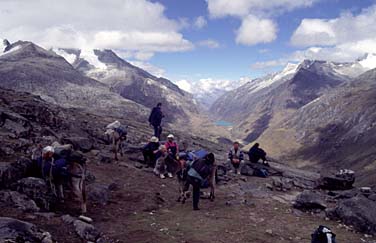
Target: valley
point(311, 117)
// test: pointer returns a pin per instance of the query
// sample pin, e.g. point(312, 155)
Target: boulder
point(36, 189)
point(12, 172)
point(85, 231)
point(18, 200)
point(79, 143)
point(358, 211)
point(246, 170)
point(98, 193)
point(343, 180)
point(13, 230)
point(309, 200)
point(282, 184)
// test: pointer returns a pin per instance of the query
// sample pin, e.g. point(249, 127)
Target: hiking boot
point(238, 172)
point(170, 175)
point(162, 176)
point(196, 209)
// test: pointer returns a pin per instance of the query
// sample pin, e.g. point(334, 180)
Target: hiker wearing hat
point(200, 172)
point(164, 164)
point(155, 119)
point(235, 158)
point(172, 147)
point(150, 150)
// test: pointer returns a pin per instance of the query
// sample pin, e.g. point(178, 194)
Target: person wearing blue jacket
point(200, 171)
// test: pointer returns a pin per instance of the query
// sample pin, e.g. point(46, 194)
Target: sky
point(191, 41)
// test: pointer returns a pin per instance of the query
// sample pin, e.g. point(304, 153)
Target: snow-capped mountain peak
point(262, 83)
point(368, 61)
point(69, 57)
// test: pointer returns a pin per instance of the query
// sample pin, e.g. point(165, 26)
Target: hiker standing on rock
point(235, 158)
point(200, 172)
point(155, 119)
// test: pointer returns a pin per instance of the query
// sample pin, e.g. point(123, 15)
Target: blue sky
point(232, 39)
point(232, 60)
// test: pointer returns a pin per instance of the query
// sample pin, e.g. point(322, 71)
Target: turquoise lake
point(223, 123)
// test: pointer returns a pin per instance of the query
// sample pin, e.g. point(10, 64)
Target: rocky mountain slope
point(127, 203)
point(318, 114)
point(131, 82)
point(27, 67)
point(335, 130)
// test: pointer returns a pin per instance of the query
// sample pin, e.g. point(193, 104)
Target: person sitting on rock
point(255, 153)
point(201, 171)
point(150, 150)
point(235, 158)
point(164, 164)
point(172, 147)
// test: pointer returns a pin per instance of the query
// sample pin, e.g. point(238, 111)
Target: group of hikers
point(192, 168)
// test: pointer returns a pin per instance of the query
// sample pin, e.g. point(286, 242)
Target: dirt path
point(144, 210)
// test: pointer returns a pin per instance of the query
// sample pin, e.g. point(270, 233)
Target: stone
point(48, 215)
point(14, 230)
point(282, 184)
point(12, 172)
point(336, 182)
point(79, 143)
point(89, 178)
point(98, 193)
point(114, 187)
point(309, 200)
point(138, 165)
point(36, 189)
point(85, 231)
point(246, 170)
point(18, 200)
point(105, 159)
point(67, 219)
point(359, 211)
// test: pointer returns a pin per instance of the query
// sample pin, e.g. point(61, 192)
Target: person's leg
point(146, 157)
point(156, 130)
point(196, 195)
point(159, 132)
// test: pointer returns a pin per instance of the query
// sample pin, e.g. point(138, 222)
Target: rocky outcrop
point(358, 211)
point(18, 200)
point(13, 230)
point(36, 189)
point(310, 200)
point(12, 172)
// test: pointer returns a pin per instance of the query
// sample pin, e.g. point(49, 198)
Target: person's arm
point(151, 117)
point(230, 155)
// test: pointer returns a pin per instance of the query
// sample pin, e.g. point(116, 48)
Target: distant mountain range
point(95, 79)
point(314, 113)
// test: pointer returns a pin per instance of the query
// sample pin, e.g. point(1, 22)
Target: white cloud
point(242, 8)
point(213, 44)
point(200, 22)
point(254, 30)
point(256, 15)
point(344, 29)
point(117, 24)
point(342, 39)
point(184, 85)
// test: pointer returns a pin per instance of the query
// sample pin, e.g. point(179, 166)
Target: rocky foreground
point(127, 203)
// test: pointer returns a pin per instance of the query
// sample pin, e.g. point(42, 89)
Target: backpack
point(261, 172)
point(200, 154)
point(323, 235)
